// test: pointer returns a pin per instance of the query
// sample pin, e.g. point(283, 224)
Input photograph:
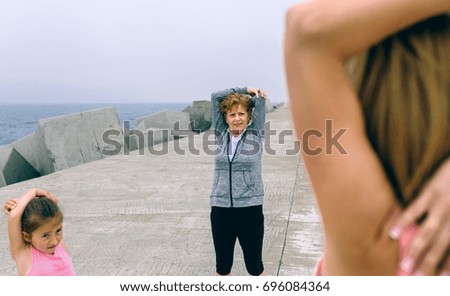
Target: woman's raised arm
point(350, 183)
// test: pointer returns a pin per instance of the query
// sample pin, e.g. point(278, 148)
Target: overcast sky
point(137, 51)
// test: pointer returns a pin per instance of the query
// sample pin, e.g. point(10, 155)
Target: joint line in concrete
point(289, 217)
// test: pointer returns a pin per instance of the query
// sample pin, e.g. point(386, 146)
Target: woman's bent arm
point(352, 189)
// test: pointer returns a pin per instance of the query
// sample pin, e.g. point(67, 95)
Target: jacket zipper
point(231, 191)
point(229, 168)
point(230, 162)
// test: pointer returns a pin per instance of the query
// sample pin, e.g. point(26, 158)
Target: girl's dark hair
point(37, 212)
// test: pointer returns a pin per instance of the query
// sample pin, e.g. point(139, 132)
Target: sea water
point(20, 120)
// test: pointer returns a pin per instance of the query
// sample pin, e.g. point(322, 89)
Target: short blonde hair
point(236, 99)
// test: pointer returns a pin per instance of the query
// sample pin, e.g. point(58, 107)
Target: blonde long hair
point(403, 83)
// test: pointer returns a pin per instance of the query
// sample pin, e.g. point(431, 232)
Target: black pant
point(245, 224)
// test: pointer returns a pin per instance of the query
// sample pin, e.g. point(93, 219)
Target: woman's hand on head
point(257, 92)
point(430, 247)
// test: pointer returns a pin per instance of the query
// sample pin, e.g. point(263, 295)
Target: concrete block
point(4, 156)
point(165, 120)
point(142, 139)
point(66, 141)
point(14, 167)
point(269, 106)
point(200, 115)
point(25, 147)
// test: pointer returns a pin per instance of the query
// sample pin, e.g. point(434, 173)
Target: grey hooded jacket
point(238, 183)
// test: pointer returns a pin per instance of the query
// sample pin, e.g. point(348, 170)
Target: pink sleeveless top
point(51, 265)
point(404, 243)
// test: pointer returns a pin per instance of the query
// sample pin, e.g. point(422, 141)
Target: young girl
point(35, 235)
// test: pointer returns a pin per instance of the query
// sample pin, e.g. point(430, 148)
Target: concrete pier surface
point(148, 215)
